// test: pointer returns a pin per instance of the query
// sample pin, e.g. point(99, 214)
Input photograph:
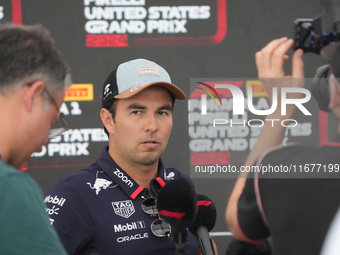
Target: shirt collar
point(125, 182)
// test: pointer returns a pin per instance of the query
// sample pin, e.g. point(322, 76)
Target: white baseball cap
point(131, 77)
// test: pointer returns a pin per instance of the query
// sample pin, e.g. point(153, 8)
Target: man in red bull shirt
point(110, 207)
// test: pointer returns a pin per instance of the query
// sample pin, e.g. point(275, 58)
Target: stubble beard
point(146, 160)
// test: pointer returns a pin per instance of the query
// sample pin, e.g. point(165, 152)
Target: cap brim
point(173, 89)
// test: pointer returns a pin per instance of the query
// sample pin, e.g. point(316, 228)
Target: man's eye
point(163, 113)
point(136, 112)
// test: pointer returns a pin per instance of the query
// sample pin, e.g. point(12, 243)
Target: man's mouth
point(150, 142)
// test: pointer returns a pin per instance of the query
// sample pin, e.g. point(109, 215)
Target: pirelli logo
point(257, 88)
point(79, 92)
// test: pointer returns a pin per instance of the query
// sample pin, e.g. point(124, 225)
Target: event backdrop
point(195, 41)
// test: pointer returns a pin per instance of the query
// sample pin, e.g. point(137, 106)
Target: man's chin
point(148, 160)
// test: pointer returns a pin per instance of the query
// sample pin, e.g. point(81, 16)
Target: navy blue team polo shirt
point(98, 211)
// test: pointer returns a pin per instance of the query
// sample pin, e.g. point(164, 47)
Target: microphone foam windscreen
point(206, 214)
point(177, 203)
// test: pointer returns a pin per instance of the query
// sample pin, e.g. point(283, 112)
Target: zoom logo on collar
point(123, 177)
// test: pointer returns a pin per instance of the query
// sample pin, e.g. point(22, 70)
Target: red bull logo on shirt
point(101, 183)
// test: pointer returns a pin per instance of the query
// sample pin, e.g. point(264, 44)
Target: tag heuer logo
point(123, 208)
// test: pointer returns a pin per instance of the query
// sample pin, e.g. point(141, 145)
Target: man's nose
point(151, 123)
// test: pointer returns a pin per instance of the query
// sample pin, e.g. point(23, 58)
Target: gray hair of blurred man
point(27, 54)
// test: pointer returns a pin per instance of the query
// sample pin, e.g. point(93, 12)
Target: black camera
point(309, 35)
point(312, 35)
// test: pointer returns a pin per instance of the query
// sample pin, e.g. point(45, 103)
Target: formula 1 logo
point(123, 208)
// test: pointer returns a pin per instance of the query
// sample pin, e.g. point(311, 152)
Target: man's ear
point(107, 120)
point(334, 97)
point(32, 93)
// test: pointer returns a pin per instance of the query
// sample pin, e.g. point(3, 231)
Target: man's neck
point(142, 176)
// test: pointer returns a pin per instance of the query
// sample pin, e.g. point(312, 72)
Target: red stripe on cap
point(160, 181)
point(175, 215)
point(136, 192)
point(203, 202)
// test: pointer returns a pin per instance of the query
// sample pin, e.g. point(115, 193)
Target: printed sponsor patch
point(123, 208)
point(129, 226)
point(101, 183)
point(147, 69)
point(79, 92)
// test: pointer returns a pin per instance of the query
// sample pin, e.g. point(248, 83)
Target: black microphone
point(177, 205)
point(203, 223)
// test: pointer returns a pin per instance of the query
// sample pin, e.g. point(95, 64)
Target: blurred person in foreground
point(33, 79)
point(295, 212)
